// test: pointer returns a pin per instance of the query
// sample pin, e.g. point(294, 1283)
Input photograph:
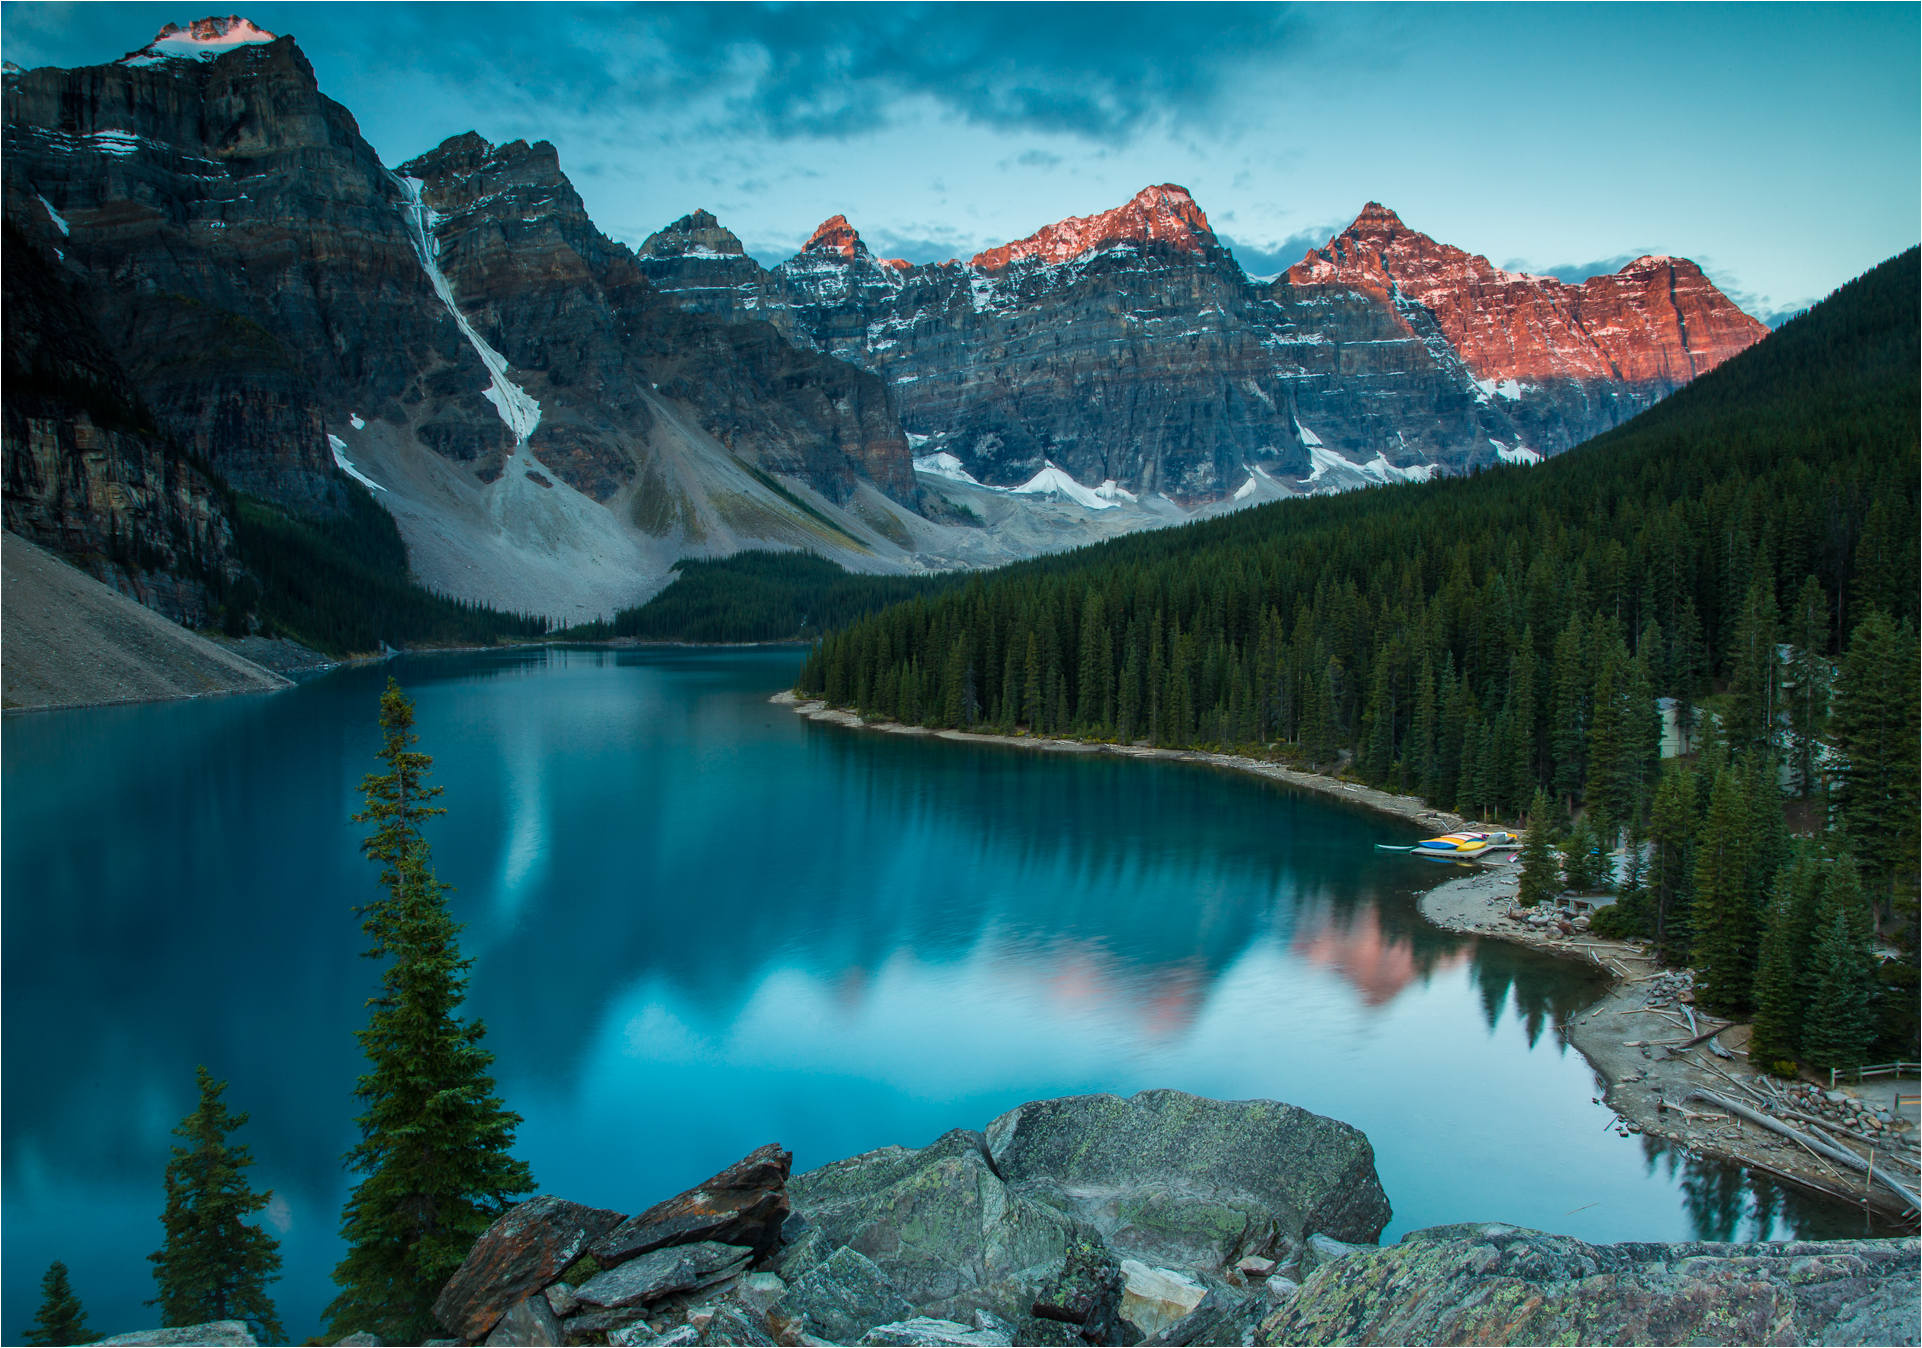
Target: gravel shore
point(69, 641)
point(1640, 1052)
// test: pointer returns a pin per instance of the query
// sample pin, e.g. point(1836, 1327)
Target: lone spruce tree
point(434, 1149)
point(1540, 877)
point(214, 1264)
point(60, 1320)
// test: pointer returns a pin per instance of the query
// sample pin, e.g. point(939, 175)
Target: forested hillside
point(1476, 640)
point(759, 596)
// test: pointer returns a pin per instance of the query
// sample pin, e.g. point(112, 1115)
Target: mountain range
point(214, 286)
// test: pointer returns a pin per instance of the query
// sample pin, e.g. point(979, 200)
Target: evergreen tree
point(1578, 858)
point(60, 1319)
point(1671, 884)
point(214, 1264)
point(1808, 675)
point(1778, 1020)
point(1750, 722)
point(1540, 879)
point(1572, 686)
point(1840, 1023)
point(1875, 723)
point(434, 1150)
point(1725, 921)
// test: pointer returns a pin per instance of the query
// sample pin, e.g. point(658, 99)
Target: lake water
point(701, 923)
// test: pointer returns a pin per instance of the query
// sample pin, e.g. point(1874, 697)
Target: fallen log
point(1835, 1153)
point(1830, 1123)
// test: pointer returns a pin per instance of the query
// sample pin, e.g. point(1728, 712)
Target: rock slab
point(1491, 1284)
point(220, 1332)
point(680, 1268)
point(743, 1205)
point(527, 1248)
point(1175, 1178)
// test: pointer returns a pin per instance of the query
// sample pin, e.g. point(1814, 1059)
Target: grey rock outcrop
point(926, 1332)
point(1167, 1175)
point(1263, 1217)
point(530, 1323)
point(215, 1332)
point(840, 1299)
point(947, 1230)
point(1491, 1284)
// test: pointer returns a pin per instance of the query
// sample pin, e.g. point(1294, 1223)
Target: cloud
point(1576, 272)
point(1265, 259)
point(781, 71)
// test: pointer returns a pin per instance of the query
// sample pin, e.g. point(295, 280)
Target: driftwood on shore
point(1827, 1148)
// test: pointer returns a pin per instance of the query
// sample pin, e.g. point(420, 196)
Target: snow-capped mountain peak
point(1163, 214)
point(201, 40)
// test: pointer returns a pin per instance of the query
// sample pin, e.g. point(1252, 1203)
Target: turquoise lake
point(700, 923)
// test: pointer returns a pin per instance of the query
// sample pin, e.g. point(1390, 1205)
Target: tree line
point(758, 596)
point(435, 1152)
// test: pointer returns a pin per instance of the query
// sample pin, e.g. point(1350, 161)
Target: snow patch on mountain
point(1510, 389)
point(59, 221)
point(1519, 454)
point(946, 465)
point(201, 40)
point(1052, 481)
point(517, 409)
point(346, 465)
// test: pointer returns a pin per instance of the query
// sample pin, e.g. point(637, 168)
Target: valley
point(439, 457)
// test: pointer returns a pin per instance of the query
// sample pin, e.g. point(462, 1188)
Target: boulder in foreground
point(1170, 1177)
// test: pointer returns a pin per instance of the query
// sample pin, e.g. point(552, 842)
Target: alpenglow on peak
point(201, 40)
point(1164, 214)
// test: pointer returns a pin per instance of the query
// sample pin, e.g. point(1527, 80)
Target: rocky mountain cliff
point(1128, 347)
point(457, 335)
point(1657, 321)
point(554, 419)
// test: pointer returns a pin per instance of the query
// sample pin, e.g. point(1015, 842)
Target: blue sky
point(1777, 145)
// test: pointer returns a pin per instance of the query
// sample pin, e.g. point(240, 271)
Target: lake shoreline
point(1614, 1035)
point(1410, 808)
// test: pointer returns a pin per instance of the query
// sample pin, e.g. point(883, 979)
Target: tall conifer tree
point(215, 1265)
point(1876, 728)
point(1540, 878)
point(60, 1319)
point(434, 1149)
point(1725, 919)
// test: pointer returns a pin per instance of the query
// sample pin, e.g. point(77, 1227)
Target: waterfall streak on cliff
point(521, 412)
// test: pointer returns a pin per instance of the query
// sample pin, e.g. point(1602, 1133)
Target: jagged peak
point(1374, 215)
point(1164, 213)
point(696, 234)
point(836, 235)
point(201, 40)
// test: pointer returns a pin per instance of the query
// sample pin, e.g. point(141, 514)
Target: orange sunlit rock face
point(835, 235)
point(1164, 214)
point(1377, 964)
point(1656, 320)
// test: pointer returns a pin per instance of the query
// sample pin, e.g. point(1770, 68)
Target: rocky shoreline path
point(1654, 1052)
point(1647, 1044)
